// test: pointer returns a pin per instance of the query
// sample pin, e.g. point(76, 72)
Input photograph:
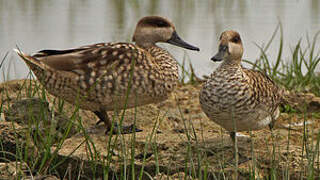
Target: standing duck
point(113, 76)
point(236, 98)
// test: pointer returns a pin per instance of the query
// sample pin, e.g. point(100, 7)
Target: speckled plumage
point(97, 77)
point(102, 80)
point(236, 94)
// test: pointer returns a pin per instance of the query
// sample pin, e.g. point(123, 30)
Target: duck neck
point(165, 60)
point(231, 63)
point(145, 45)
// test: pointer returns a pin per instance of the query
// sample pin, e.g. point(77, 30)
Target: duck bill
point(177, 41)
point(220, 55)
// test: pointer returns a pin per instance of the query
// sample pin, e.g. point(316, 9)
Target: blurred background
point(33, 25)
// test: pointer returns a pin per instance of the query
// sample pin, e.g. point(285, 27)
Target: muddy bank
point(184, 139)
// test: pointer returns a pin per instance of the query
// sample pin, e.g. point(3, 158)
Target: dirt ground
point(185, 137)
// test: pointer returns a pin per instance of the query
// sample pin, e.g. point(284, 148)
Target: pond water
point(33, 25)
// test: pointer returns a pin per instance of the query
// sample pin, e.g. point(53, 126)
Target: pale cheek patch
point(235, 50)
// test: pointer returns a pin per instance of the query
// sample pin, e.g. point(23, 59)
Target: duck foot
point(103, 117)
point(99, 122)
point(124, 129)
point(243, 159)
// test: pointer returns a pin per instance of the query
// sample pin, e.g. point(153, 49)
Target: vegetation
point(38, 143)
point(297, 73)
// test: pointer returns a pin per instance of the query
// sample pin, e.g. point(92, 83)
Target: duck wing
point(88, 58)
point(265, 90)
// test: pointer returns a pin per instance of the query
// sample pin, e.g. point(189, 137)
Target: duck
point(236, 98)
point(113, 76)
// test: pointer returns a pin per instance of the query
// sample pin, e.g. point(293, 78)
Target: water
point(33, 25)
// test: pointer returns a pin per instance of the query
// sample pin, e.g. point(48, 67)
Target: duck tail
point(38, 68)
point(303, 102)
point(29, 60)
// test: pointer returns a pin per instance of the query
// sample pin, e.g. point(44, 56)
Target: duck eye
point(156, 23)
point(162, 24)
point(236, 39)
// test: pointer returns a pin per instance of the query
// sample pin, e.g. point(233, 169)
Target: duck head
point(230, 47)
point(153, 29)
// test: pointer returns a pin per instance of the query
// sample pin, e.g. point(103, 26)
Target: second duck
point(236, 98)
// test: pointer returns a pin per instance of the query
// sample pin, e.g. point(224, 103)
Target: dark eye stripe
point(236, 39)
point(157, 23)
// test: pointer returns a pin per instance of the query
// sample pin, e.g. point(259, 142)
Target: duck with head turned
point(113, 76)
point(236, 98)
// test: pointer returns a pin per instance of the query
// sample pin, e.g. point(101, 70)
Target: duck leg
point(271, 126)
point(238, 156)
point(235, 145)
point(103, 117)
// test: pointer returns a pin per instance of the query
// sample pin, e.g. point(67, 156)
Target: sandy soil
point(185, 137)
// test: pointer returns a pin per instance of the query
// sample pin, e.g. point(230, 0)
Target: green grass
point(288, 71)
point(187, 74)
point(1, 65)
point(36, 147)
